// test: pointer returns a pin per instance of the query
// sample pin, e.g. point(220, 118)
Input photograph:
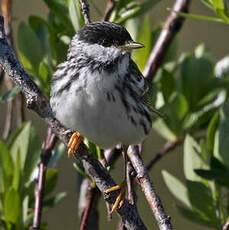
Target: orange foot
point(74, 142)
point(121, 197)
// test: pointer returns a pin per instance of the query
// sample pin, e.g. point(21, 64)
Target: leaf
point(212, 127)
point(51, 180)
point(162, 129)
point(21, 143)
point(58, 152)
point(176, 188)
point(30, 48)
point(194, 217)
point(61, 12)
point(17, 172)
point(12, 206)
point(202, 202)
point(75, 14)
point(192, 159)
point(222, 68)
point(144, 37)
point(6, 168)
point(53, 201)
point(221, 145)
point(10, 94)
point(196, 79)
point(33, 154)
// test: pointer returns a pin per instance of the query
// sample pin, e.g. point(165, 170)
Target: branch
point(226, 225)
point(88, 206)
point(109, 8)
point(85, 11)
point(168, 147)
point(46, 153)
point(36, 101)
point(170, 29)
point(147, 187)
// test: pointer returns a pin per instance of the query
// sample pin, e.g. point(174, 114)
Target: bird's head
point(108, 34)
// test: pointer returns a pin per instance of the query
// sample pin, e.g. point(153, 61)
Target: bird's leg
point(121, 197)
point(74, 142)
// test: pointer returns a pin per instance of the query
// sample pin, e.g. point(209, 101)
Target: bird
point(98, 92)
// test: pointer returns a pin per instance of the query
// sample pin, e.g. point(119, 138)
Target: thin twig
point(168, 147)
point(46, 152)
point(109, 8)
point(85, 11)
point(147, 187)
point(87, 217)
point(36, 101)
point(169, 31)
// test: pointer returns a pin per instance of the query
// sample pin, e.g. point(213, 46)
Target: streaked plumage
point(98, 90)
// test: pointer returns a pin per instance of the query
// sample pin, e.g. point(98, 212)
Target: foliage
point(18, 162)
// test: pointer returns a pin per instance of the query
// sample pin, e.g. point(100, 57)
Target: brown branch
point(168, 147)
point(169, 31)
point(46, 153)
point(109, 8)
point(88, 205)
point(147, 187)
point(85, 11)
point(36, 101)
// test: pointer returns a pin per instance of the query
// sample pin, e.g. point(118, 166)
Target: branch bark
point(147, 187)
point(109, 8)
point(46, 153)
point(85, 11)
point(171, 27)
point(36, 101)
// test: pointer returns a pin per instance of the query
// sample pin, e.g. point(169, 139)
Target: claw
point(74, 142)
point(120, 198)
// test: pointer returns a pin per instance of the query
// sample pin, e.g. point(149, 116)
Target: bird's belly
point(98, 113)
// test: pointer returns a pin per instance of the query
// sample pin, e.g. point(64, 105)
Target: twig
point(226, 226)
point(36, 101)
point(147, 187)
point(109, 8)
point(90, 213)
point(85, 11)
point(168, 147)
point(169, 31)
point(46, 152)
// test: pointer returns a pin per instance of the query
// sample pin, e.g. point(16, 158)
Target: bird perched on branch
point(98, 92)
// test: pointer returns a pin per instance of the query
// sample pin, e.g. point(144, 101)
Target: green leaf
point(193, 216)
point(192, 159)
point(162, 129)
point(58, 152)
point(222, 68)
point(196, 79)
point(6, 168)
point(61, 12)
point(167, 84)
point(30, 48)
point(221, 144)
point(51, 180)
point(53, 201)
point(33, 154)
point(212, 127)
point(20, 143)
point(12, 206)
point(10, 94)
point(176, 188)
point(144, 37)
point(17, 172)
point(202, 202)
point(75, 14)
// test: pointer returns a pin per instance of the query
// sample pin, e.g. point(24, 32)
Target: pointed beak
point(131, 45)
